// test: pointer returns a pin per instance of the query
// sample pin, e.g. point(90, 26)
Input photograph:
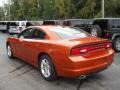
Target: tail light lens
point(108, 45)
point(20, 28)
point(86, 49)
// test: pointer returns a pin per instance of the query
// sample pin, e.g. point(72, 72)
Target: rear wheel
point(96, 31)
point(47, 68)
point(116, 44)
point(9, 51)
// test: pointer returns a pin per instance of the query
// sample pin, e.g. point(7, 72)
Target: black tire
point(116, 44)
point(53, 74)
point(96, 31)
point(9, 51)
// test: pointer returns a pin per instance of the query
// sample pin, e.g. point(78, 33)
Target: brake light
point(20, 28)
point(76, 51)
point(108, 45)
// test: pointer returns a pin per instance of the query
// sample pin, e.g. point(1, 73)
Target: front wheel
point(47, 68)
point(116, 44)
point(9, 51)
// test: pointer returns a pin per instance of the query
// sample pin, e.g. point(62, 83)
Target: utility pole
point(103, 8)
point(38, 3)
point(9, 10)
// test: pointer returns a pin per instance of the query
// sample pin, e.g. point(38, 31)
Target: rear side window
point(77, 22)
point(3, 23)
point(60, 22)
point(69, 32)
point(27, 33)
point(102, 23)
point(116, 23)
point(38, 34)
point(23, 24)
point(49, 23)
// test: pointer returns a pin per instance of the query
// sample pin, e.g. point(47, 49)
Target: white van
point(16, 27)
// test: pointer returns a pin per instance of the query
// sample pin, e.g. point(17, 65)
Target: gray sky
point(2, 2)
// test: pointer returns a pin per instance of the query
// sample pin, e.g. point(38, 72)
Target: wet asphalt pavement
point(18, 75)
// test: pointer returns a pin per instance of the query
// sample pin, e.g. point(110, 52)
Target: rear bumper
point(84, 71)
point(14, 31)
point(88, 66)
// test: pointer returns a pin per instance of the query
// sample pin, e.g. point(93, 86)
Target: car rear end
point(16, 27)
point(84, 54)
point(90, 57)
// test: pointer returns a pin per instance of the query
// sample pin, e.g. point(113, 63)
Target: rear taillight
point(108, 45)
point(20, 28)
point(76, 51)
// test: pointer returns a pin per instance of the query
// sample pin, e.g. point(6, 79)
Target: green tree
point(60, 9)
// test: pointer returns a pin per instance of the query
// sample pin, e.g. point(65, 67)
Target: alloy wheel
point(94, 32)
point(45, 68)
point(9, 52)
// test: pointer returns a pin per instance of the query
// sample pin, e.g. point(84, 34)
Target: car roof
point(46, 29)
point(78, 19)
point(105, 18)
point(53, 20)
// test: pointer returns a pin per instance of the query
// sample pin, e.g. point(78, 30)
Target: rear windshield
point(69, 32)
point(115, 23)
point(103, 23)
point(49, 23)
point(3, 23)
point(14, 23)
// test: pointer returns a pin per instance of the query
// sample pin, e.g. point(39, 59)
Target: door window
point(116, 23)
point(27, 33)
point(38, 34)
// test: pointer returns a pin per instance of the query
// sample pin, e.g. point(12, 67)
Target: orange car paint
point(59, 50)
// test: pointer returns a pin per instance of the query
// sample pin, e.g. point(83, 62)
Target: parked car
point(3, 26)
point(15, 27)
point(61, 51)
point(108, 28)
point(84, 24)
point(53, 22)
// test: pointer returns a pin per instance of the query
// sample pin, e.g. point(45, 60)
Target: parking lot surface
point(18, 75)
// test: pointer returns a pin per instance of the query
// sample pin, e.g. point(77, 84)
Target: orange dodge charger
point(61, 51)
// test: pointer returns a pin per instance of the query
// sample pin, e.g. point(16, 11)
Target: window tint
point(23, 24)
point(116, 23)
point(77, 22)
point(26, 33)
point(69, 32)
point(67, 23)
point(38, 34)
point(49, 23)
point(102, 23)
point(3, 23)
point(28, 24)
point(60, 22)
point(34, 23)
